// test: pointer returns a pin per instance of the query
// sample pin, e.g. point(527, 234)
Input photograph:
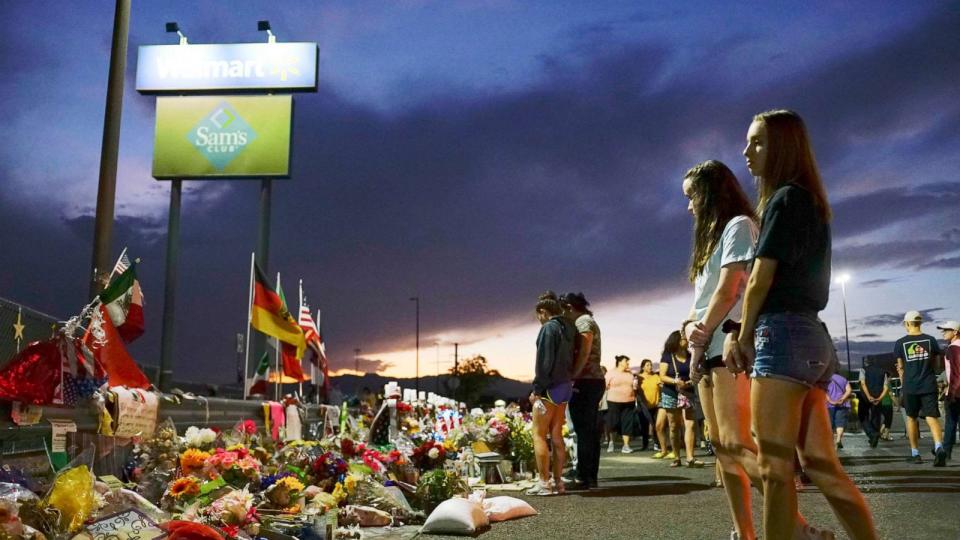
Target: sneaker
point(656, 447)
point(541, 488)
point(914, 459)
point(874, 440)
point(941, 458)
point(610, 447)
point(626, 449)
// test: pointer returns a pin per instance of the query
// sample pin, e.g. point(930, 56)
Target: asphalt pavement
point(640, 497)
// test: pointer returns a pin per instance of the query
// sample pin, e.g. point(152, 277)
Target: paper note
point(60, 429)
point(136, 412)
point(126, 525)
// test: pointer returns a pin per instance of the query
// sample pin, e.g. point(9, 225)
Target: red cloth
point(120, 367)
point(952, 361)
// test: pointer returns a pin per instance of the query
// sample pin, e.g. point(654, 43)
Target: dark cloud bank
point(478, 202)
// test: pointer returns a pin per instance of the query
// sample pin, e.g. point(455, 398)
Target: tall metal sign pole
point(109, 149)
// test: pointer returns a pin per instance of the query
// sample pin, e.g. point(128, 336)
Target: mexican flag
point(258, 384)
point(123, 302)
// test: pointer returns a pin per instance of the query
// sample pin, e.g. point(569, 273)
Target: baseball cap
point(912, 316)
point(949, 325)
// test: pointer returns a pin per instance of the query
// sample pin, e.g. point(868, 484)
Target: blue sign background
point(235, 66)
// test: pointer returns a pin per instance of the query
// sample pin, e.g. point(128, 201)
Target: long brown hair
point(717, 198)
point(789, 160)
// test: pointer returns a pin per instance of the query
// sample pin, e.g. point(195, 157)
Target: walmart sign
point(236, 66)
point(222, 137)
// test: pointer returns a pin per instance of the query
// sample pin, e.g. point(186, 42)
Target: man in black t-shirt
point(918, 361)
point(874, 386)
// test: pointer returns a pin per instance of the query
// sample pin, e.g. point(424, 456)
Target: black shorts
point(922, 405)
point(713, 362)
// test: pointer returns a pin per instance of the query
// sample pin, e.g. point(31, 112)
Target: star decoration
point(18, 327)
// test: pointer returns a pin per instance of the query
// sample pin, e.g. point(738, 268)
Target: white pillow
point(504, 508)
point(456, 516)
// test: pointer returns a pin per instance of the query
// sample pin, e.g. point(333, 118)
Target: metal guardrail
point(184, 412)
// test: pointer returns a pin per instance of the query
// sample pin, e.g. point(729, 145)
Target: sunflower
point(193, 459)
point(184, 487)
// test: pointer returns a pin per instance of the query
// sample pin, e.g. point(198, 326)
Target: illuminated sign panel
point(222, 137)
point(236, 66)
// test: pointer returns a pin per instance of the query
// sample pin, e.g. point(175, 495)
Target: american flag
point(310, 329)
point(123, 263)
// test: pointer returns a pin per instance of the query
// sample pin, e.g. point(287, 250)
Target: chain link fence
point(20, 325)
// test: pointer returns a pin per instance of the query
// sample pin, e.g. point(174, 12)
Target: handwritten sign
point(60, 429)
point(136, 412)
point(126, 525)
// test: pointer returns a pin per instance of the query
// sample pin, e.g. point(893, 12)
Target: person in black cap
point(588, 387)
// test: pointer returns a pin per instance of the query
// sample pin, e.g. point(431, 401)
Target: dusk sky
point(476, 153)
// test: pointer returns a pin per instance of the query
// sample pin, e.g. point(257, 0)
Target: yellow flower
point(449, 445)
point(193, 459)
point(186, 486)
point(351, 484)
point(291, 483)
point(339, 493)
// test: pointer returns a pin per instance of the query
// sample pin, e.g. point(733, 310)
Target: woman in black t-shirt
point(793, 353)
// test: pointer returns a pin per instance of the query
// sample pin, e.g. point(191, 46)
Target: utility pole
point(109, 149)
point(417, 300)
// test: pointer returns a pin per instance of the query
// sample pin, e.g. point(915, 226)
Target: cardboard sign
point(126, 525)
point(136, 412)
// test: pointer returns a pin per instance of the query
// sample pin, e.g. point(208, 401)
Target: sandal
point(676, 463)
point(694, 463)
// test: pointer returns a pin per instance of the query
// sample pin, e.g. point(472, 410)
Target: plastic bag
point(72, 493)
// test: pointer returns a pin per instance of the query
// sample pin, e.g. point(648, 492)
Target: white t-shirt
point(736, 245)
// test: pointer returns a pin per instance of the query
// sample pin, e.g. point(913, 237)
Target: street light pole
point(846, 328)
point(417, 300)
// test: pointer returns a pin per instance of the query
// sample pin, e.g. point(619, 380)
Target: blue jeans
point(794, 347)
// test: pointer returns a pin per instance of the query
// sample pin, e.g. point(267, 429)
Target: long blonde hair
point(790, 160)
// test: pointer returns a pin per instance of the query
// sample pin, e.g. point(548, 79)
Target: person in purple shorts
point(552, 390)
point(838, 405)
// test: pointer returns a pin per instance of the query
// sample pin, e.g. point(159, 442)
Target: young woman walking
point(789, 349)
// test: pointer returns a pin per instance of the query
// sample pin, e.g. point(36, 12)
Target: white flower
point(199, 437)
point(433, 453)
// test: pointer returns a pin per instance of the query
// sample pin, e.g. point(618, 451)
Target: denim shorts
point(794, 347)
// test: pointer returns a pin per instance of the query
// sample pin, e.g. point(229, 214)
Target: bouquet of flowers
point(497, 435)
point(521, 440)
point(328, 469)
point(429, 455)
point(437, 486)
point(283, 491)
point(236, 465)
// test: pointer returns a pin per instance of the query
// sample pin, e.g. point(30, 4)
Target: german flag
point(269, 314)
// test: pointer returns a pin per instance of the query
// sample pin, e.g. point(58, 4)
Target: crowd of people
point(752, 348)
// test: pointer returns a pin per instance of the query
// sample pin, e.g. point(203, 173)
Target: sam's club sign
point(222, 137)
point(235, 66)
